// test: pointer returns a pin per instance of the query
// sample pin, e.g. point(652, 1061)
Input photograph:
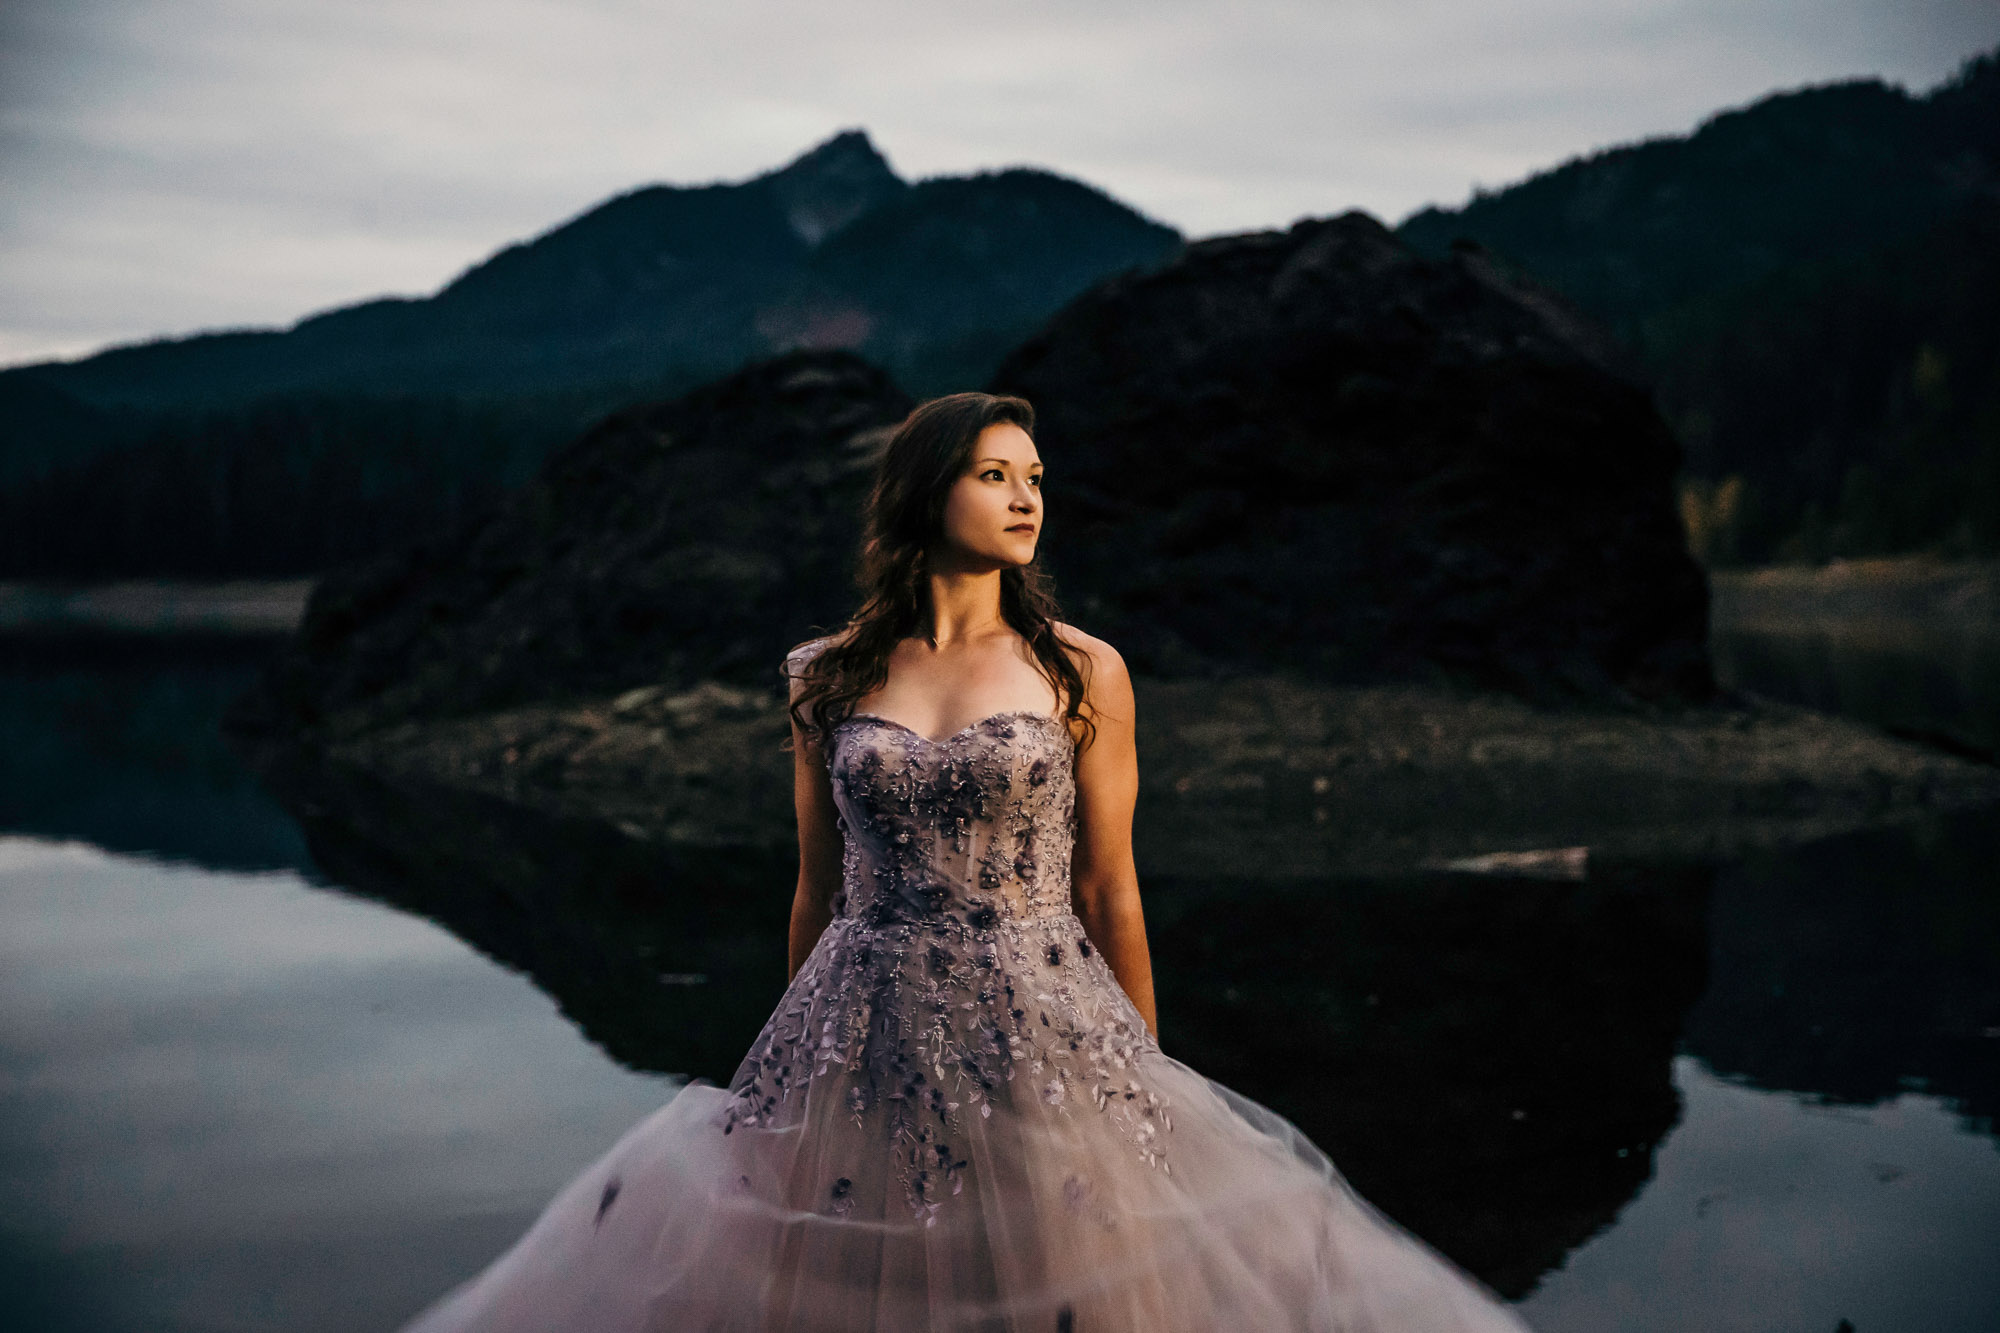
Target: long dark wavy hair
point(903, 524)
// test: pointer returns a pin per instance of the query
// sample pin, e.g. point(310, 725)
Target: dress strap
point(795, 660)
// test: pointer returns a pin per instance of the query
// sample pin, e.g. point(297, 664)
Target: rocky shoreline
point(1261, 776)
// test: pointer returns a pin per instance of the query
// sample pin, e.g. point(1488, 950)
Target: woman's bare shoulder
point(1097, 650)
point(1107, 679)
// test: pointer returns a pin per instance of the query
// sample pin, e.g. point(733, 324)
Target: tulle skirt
point(1044, 1217)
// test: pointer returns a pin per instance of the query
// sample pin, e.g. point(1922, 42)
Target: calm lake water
point(1937, 683)
point(260, 1071)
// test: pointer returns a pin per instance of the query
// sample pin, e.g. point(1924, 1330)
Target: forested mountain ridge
point(157, 457)
point(1833, 170)
point(675, 284)
point(1811, 282)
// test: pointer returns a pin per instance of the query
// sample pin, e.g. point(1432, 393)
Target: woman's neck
point(965, 605)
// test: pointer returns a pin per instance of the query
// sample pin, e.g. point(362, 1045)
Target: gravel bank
point(1257, 776)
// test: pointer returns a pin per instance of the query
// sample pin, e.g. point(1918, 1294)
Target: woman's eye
point(1035, 480)
point(993, 472)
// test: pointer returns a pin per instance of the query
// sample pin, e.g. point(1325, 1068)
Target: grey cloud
point(226, 162)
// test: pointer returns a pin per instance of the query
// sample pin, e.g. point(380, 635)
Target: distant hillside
point(103, 460)
point(1812, 282)
point(43, 427)
point(680, 283)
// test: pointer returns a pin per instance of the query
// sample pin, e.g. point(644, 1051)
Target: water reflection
point(1492, 1062)
point(1775, 1211)
point(1853, 970)
point(1446, 1039)
point(1487, 1061)
point(1756, 1096)
point(115, 742)
point(1938, 682)
point(235, 1101)
point(669, 962)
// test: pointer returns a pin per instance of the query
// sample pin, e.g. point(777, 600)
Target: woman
point(959, 1117)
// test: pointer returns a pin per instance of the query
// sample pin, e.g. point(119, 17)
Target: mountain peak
point(826, 187)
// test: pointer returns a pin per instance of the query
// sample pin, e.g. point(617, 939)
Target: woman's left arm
point(1104, 882)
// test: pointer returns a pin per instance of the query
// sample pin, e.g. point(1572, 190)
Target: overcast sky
point(173, 165)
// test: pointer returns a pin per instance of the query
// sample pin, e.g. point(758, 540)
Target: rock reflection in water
point(115, 743)
point(1854, 971)
point(668, 960)
point(1488, 1062)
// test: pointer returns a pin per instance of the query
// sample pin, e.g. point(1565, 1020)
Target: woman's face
point(993, 515)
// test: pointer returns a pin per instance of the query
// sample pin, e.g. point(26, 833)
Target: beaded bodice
point(971, 828)
point(953, 964)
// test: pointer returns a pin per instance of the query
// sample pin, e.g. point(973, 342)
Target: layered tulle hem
point(1041, 1217)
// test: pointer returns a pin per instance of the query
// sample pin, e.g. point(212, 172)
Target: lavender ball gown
point(955, 1119)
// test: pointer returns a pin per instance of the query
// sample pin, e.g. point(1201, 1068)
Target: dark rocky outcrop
point(691, 540)
point(1315, 449)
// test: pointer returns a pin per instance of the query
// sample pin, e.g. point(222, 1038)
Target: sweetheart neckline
point(1050, 718)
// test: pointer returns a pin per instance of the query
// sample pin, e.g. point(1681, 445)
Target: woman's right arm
point(820, 846)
